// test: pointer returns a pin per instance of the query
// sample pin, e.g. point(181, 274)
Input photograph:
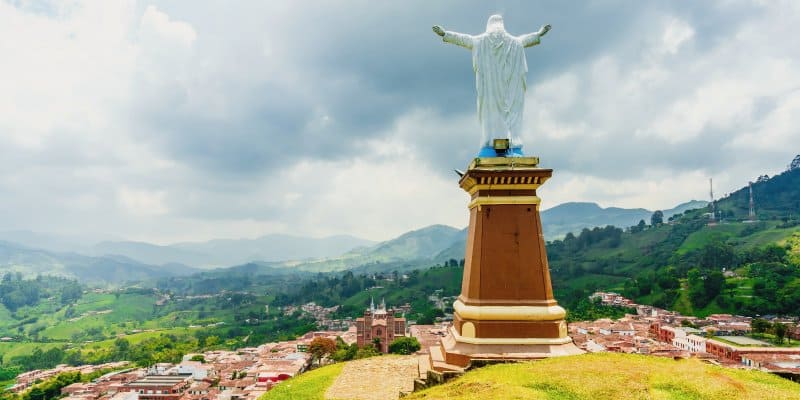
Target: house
point(619, 328)
point(730, 352)
point(687, 339)
point(158, 387)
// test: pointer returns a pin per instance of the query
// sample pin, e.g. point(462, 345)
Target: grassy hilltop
point(590, 376)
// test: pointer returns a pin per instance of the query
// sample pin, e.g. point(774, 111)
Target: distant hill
point(421, 243)
point(151, 253)
point(573, 217)
point(410, 250)
point(53, 242)
point(98, 270)
point(225, 252)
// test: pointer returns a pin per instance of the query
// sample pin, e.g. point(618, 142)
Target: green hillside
point(589, 376)
point(736, 266)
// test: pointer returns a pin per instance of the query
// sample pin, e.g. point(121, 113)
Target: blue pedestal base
point(489, 151)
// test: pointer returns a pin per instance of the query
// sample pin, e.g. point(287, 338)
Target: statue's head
point(495, 24)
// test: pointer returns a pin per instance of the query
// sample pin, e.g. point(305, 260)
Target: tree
point(71, 293)
point(759, 325)
point(198, 357)
point(404, 345)
point(320, 347)
point(795, 164)
point(657, 218)
point(35, 394)
point(779, 330)
point(367, 351)
point(122, 346)
point(212, 340)
point(376, 342)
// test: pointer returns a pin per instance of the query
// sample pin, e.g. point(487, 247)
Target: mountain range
point(93, 270)
point(226, 252)
point(120, 261)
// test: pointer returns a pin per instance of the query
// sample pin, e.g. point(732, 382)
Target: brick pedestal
point(506, 309)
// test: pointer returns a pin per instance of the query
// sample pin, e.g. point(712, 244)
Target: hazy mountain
point(152, 253)
point(421, 243)
point(409, 250)
point(52, 241)
point(100, 270)
point(682, 208)
point(434, 243)
point(225, 252)
point(276, 247)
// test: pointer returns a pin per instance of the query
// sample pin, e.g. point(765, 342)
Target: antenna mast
point(712, 217)
point(752, 213)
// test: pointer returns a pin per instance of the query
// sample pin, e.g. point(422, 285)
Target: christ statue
point(498, 60)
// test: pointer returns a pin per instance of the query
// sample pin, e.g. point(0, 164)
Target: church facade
point(381, 324)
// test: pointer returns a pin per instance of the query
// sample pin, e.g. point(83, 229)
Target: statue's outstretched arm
point(532, 39)
point(461, 39)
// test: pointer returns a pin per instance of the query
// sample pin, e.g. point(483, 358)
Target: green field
point(12, 349)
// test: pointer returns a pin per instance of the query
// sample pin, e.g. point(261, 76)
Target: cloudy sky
point(179, 120)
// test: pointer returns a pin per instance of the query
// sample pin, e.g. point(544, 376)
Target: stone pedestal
point(506, 310)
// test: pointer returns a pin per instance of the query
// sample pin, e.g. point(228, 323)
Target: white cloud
point(676, 33)
point(638, 192)
point(158, 26)
point(141, 202)
point(109, 113)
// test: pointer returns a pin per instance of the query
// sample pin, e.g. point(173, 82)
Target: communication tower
point(712, 216)
point(752, 213)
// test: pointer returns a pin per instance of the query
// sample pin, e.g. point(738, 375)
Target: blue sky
point(184, 120)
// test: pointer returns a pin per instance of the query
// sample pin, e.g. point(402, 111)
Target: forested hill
point(736, 266)
point(775, 198)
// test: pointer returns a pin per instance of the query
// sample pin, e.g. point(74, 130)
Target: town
point(247, 373)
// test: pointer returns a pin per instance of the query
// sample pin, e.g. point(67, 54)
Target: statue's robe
point(500, 70)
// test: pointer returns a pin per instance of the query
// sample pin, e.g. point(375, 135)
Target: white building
point(198, 370)
point(685, 339)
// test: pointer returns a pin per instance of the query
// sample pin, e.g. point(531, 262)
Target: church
point(379, 325)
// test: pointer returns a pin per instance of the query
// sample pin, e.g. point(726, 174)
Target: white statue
point(500, 69)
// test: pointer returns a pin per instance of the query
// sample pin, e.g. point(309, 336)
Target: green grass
point(683, 304)
point(9, 350)
point(311, 385)
point(139, 337)
point(711, 308)
point(127, 309)
point(732, 231)
point(769, 236)
point(708, 234)
point(4, 385)
point(607, 282)
point(95, 302)
point(611, 376)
